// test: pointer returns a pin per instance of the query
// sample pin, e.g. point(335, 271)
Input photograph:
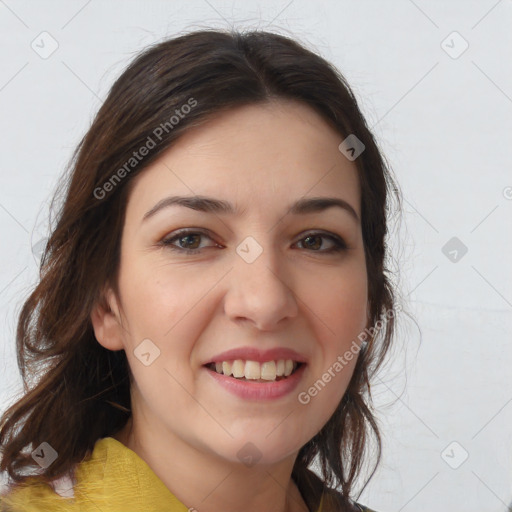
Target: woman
point(213, 299)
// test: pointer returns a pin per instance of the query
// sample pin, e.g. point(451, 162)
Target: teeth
point(253, 370)
point(227, 368)
point(288, 367)
point(268, 370)
point(238, 368)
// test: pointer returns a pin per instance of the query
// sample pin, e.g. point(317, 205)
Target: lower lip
point(259, 390)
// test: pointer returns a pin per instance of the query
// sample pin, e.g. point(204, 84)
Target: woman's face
point(260, 278)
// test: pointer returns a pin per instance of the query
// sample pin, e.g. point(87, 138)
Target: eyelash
point(339, 243)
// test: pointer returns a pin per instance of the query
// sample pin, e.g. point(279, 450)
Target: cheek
point(340, 315)
point(156, 297)
point(164, 312)
point(166, 306)
point(339, 302)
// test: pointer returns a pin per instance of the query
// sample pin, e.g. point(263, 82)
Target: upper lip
point(255, 354)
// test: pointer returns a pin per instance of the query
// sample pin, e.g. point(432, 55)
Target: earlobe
point(106, 323)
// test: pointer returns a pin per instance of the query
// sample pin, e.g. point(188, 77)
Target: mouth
point(252, 381)
point(253, 371)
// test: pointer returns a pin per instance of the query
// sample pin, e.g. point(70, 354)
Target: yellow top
point(113, 479)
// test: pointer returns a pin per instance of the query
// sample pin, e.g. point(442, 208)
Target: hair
point(167, 89)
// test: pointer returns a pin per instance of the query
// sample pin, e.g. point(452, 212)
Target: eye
point(311, 242)
point(187, 242)
point(188, 238)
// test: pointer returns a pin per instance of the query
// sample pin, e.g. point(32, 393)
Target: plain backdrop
point(434, 80)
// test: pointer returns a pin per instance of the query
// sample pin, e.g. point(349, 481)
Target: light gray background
point(444, 123)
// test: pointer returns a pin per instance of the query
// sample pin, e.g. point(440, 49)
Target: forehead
point(257, 154)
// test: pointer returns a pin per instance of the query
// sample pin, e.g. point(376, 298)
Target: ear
point(106, 322)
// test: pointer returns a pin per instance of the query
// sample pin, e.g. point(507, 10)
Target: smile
point(257, 381)
point(255, 371)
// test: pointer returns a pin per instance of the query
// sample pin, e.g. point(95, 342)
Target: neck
point(225, 486)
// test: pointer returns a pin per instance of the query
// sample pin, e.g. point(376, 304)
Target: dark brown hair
point(76, 391)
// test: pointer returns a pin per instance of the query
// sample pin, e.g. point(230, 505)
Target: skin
point(261, 158)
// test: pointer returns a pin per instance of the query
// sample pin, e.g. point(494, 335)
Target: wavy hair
point(88, 385)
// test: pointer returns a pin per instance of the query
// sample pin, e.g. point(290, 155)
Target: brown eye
point(186, 241)
point(314, 241)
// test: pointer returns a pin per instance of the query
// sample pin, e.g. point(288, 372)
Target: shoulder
point(36, 493)
point(33, 495)
point(111, 478)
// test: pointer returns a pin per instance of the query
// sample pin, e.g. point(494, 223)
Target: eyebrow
point(218, 206)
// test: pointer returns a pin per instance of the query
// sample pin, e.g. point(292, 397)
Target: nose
point(260, 293)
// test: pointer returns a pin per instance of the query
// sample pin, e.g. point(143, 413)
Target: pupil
point(311, 238)
point(187, 237)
